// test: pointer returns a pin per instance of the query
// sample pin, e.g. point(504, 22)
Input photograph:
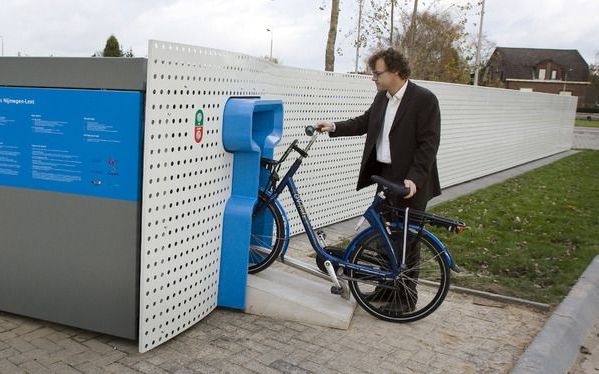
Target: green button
point(200, 117)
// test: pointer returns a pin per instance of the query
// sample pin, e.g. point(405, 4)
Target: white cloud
point(79, 28)
point(557, 24)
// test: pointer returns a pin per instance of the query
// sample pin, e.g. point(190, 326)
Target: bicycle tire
point(394, 300)
point(268, 235)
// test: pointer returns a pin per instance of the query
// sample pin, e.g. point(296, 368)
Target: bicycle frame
point(376, 257)
point(371, 216)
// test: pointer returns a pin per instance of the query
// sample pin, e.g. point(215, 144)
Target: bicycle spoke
point(415, 292)
point(433, 260)
point(269, 235)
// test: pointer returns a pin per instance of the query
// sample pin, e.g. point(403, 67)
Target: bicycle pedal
point(335, 251)
point(336, 290)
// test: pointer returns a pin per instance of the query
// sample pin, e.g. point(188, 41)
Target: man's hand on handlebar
point(324, 126)
point(411, 186)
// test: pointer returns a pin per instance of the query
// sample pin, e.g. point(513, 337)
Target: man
point(402, 127)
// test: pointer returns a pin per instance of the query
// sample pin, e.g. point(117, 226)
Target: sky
point(299, 27)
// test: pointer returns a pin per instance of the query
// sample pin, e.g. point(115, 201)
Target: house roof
point(519, 62)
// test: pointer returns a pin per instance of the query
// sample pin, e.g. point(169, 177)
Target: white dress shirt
point(383, 150)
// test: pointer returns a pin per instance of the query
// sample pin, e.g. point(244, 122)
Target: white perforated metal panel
point(486, 130)
point(185, 188)
point(186, 185)
point(327, 178)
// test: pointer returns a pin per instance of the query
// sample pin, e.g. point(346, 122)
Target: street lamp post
point(412, 30)
point(271, 37)
point(361, 5)
point(391, 31)
point(480, 35)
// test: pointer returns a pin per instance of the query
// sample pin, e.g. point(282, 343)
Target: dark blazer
point(414, 140)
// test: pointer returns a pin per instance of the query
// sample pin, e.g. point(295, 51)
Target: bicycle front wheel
point(414, 293)
point(268, 235)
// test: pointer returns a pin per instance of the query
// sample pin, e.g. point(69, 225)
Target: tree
point(592, 94)
point(112, 48)
point(329, 60)
point(377, 24)
point(435, 48)
point(433, 38)
point(486, 50)
point(274, 60)
point(129, 53)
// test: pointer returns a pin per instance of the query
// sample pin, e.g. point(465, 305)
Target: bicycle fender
point(434, 239)
point(352, 245)
point(444, 251)
point(285, 219)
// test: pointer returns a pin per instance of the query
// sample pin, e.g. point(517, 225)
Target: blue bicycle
point(396, 269)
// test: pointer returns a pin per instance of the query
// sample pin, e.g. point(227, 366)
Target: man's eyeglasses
point(377, 74)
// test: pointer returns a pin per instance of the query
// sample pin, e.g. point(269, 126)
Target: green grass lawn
point(585, 123)
point(531, 236)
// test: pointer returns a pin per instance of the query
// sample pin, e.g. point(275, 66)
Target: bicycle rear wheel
point(414, 293)
point(268, 235)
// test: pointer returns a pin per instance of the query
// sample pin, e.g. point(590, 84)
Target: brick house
point(557, 71)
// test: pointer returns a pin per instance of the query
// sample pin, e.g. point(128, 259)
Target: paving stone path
point(586, 138)
point(466, 335)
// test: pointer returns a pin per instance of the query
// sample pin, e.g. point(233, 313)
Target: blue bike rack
point(251, 129)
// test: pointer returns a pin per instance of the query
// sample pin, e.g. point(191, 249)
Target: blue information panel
point(85, 142)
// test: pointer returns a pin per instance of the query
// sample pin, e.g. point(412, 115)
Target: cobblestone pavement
point(466, 335)
point(586, 138)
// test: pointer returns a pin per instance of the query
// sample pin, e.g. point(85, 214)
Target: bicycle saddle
point(394, 187)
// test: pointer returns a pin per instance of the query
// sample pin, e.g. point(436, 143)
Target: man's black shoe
point(381, 294)
point(397, 308)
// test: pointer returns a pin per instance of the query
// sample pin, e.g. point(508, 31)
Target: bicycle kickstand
point(338, 288)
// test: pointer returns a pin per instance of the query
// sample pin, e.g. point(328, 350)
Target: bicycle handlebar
point(310, 131)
